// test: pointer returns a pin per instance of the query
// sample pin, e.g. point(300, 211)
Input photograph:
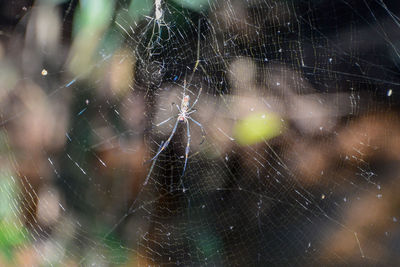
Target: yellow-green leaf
point(257, 128)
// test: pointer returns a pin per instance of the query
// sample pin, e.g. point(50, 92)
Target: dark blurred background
point(299, 101)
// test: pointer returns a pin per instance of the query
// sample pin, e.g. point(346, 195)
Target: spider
point(158, 19)
point(183, 116)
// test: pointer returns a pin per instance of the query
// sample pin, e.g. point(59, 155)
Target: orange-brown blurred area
point(300, 165)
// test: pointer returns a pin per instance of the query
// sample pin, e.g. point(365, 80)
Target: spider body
point(185, 110)
point(159, 20)
point(182, 116)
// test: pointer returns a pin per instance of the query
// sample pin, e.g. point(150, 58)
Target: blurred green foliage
point(12, 233)
point(53, 2)
point(139, 8)
point(194, 5)
point(93, 15)
point(208, 243)
point(92, 19)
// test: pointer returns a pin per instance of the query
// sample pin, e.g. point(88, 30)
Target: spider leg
point(187, 147)
point(152, 34)
point(161, 23)
point(180, 111)
point(184, 85)
point(152, 166)
point(202, 129)
point(169, 31)
point(197, 98)
point(166, 142)
point(159, 33)
point(170, 118)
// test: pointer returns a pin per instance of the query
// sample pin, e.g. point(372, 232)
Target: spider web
point(326, 70)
